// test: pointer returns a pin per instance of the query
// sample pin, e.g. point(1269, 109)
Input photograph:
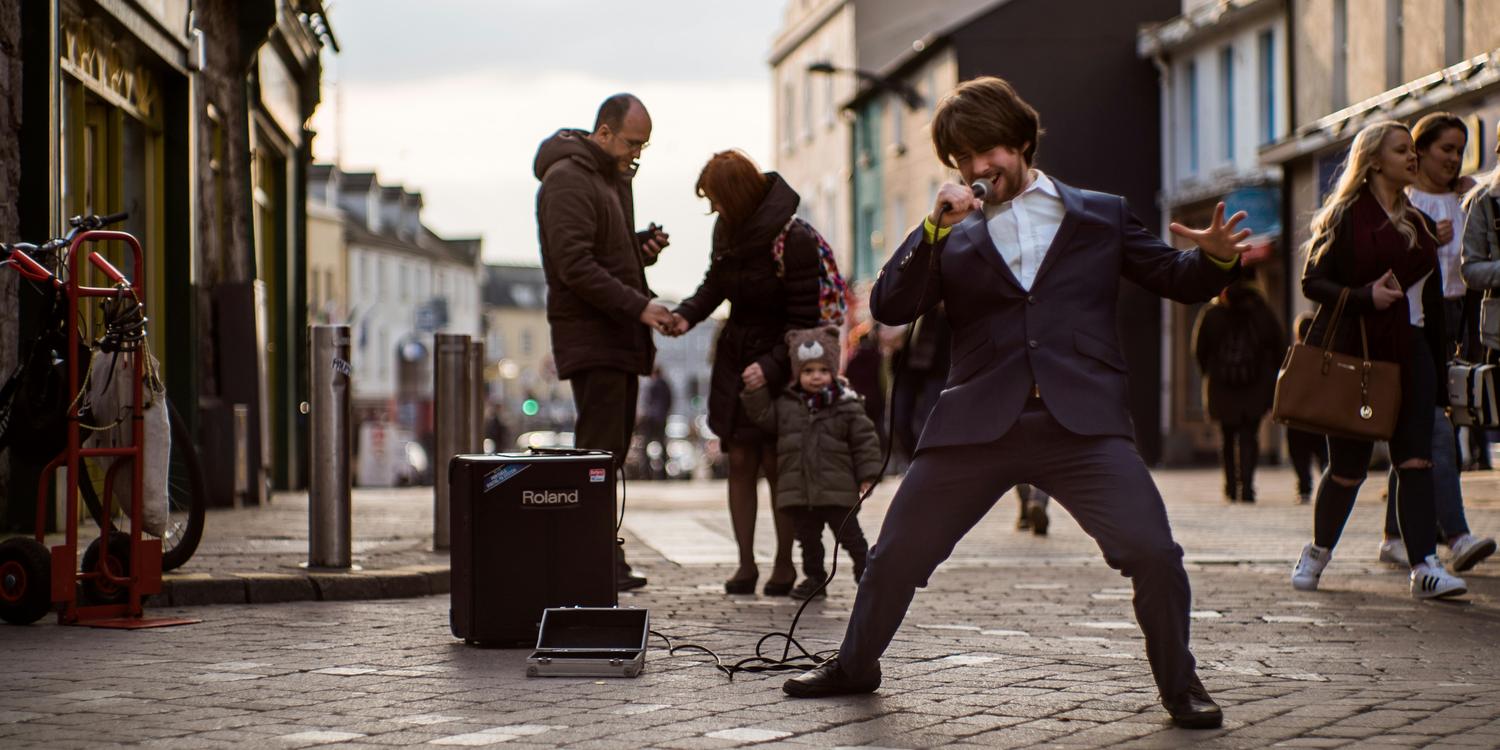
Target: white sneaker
point(1310, 568)
point(1393, 551)
point(1468, 550)
point(1430, 581)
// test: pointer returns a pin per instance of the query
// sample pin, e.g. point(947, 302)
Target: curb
point(197, 589)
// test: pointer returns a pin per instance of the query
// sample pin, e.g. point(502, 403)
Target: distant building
point(518, 351)
point(403, 284)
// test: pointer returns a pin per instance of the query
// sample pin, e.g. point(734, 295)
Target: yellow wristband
point(1222, 264)
point(934, 232)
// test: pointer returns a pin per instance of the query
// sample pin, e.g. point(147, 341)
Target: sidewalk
point(1020, 641)
point(253, 555)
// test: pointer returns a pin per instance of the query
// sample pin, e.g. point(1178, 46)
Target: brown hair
point(982, 114)
point(732, 181)
point(1434, 126)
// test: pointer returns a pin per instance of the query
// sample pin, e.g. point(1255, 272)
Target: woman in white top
point(1440, 141)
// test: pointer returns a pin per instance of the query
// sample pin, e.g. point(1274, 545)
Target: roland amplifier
point(528, 531)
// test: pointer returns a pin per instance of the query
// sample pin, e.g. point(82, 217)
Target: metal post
point(450, 403)
point(478, 398)
point(329, 528)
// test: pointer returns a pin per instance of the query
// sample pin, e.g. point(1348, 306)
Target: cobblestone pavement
point(1020, 641)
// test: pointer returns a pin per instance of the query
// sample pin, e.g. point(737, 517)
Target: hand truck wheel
point(25, 581)
point(99, 590)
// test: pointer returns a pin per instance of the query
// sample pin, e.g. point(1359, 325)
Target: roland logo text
point(549, 498)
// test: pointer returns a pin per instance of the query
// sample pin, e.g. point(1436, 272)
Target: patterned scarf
point(821, 399)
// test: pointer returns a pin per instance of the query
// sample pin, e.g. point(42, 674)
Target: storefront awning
point(1470, 77)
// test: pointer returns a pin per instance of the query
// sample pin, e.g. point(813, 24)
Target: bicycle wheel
point(187, 496)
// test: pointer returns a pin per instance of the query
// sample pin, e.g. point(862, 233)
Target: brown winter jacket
point(592, 258)
point(821, 456)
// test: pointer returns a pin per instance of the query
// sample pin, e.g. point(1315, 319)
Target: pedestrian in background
point(1304, 447)
point(1481, 262)
point(1033, 504)
point(1440, 139)
point(657, 408)
point(1239, 346)
point(1370, 244)
point(921, 370)
point(827, 452)
point(754, 209)
point(600, 311)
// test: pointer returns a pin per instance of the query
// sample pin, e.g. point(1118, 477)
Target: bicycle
point(37, 390)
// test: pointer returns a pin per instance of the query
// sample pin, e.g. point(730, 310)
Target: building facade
point(523, 386)
point(810, 135)
point(1224, 95)
point(404, 284)
point(191, 117)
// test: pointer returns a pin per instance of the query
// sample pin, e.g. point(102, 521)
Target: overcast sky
point(452, 97)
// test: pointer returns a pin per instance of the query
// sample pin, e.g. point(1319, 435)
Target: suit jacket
point(1061, 335)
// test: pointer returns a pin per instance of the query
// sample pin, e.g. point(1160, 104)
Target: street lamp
point(913, 99)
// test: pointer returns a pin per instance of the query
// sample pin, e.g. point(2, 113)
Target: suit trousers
point(1100, 480)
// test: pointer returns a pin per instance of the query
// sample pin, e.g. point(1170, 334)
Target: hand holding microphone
point(954, 202)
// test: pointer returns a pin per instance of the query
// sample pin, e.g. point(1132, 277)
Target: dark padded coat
point(1239, 306)
point(821, 456)
point(592, 258)
point(762, 305)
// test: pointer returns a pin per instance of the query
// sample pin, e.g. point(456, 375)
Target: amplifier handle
point(564, 451)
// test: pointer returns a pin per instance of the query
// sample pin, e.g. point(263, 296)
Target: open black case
point(590, 642)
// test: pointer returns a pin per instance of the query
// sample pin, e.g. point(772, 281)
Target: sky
point(453, 99)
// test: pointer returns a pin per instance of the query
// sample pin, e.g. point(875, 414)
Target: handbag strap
point(1338, 312)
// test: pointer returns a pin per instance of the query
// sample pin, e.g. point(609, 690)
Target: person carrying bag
point(1320, 390)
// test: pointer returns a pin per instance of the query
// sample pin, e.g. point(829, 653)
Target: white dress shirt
point(1023, 227)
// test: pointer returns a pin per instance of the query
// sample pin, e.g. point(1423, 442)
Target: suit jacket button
point(1033, 344)
point(1031, 299)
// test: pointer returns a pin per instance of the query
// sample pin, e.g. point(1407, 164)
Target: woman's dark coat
point(762, 305)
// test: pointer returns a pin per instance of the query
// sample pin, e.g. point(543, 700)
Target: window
point(807, 108)
point(1192, 115)
point(932, 94)
point(1226, 93)
point(525, 342)
point(1266, 43)
point(1340, 91)
point(786, 117)
point(828, 104)
point(1453, 32)
point(898, 219)
point(898, 129)
point(1393, 43)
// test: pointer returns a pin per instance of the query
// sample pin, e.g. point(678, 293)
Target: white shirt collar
point(1039, 182)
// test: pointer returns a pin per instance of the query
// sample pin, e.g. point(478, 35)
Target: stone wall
point(10, 183)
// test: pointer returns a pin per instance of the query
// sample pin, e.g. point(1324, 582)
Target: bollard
point(477, 397)
point(450, 405)
point(328, 502)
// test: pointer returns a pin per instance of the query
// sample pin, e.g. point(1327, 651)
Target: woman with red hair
point(766, 299)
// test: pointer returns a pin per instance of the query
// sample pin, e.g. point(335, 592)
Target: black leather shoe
point(1195, 709)
point(809, 588)
point(778, 588)
point(827, 681)
point(630, 581)
point(1038, 515)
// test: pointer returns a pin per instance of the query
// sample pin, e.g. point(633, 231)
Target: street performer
point(1029, 276)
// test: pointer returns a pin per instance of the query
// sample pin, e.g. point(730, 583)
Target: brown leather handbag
point(1339, 395)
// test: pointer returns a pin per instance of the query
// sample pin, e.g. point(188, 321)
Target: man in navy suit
point(1037, 391)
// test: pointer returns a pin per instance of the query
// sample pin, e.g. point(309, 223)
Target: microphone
point(980, 187)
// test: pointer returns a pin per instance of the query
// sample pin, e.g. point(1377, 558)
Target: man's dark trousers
point(605, 400)
point(1102, 482)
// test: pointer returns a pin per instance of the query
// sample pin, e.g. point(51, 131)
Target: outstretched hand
point(1219, 239)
